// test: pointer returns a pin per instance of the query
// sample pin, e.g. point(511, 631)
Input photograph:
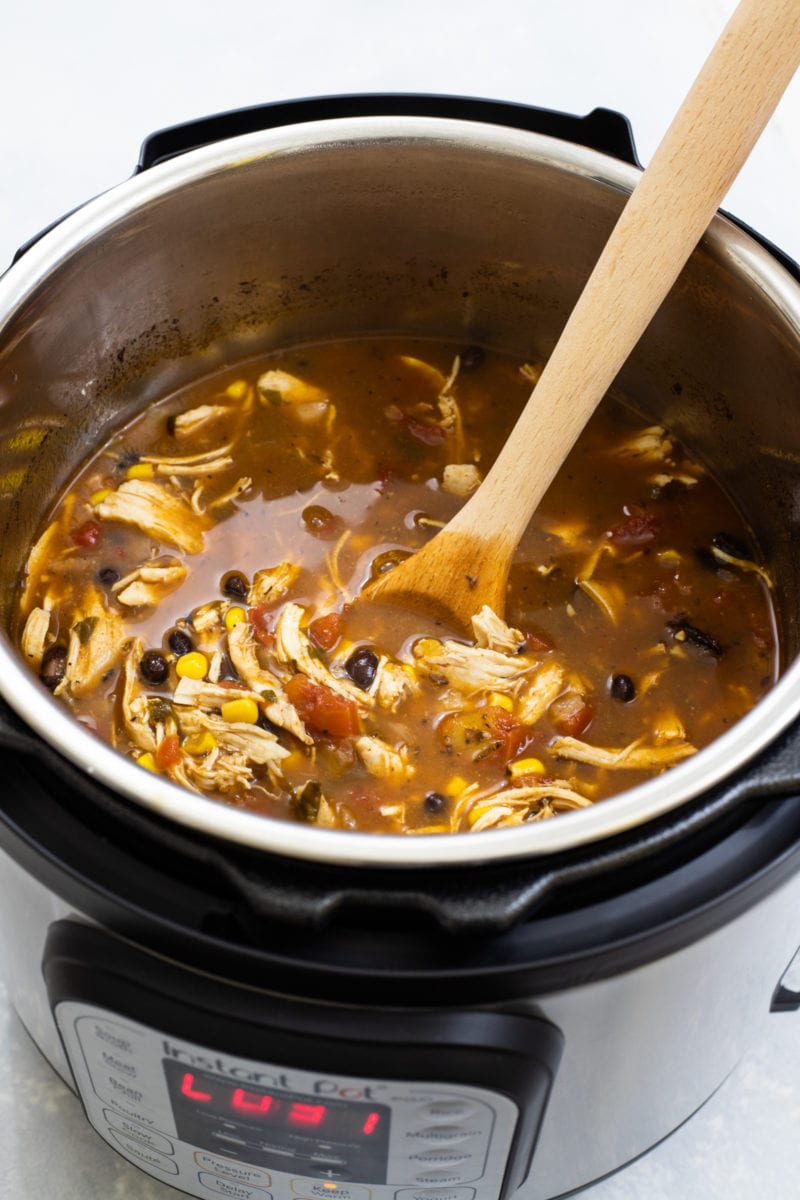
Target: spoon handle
point(708, 141)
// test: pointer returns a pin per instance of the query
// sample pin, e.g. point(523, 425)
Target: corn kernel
point(141, 470)
point(148, 762)
point(427, 646)
point(237, 390)
point(200, 743)
point(526, 766)
point(244, 711)
point(500, 700)
point(193, 665)
point(234, 617)
point(456, 786)
point(99, 496)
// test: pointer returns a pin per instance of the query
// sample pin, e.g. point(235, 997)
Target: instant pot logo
point(204, 1062)
point(281, 1081)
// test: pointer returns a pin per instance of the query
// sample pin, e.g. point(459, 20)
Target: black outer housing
point(332, 930)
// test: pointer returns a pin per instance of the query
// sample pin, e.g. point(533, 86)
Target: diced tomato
point(320, 709)
point(326, 631)
point(168, 753)
point(537, 642)
point(639, 528)
point(260, 619)
point(571, 714)
point(88, 535)
point(429, 435)
point(505, 727)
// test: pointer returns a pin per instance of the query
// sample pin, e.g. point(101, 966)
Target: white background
point(80, 86)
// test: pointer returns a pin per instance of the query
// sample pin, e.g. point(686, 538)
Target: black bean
point(709, 561)
point(683, 631)
point(622, 688)
point(361, 666)
point(180, 642)
point(234, 584)
point(264, 722)
point(472, 357)
point(435, 803)
point(54, 665)
point(154, 667)
point(108, 576)
point(731, 546)
point(128, 458)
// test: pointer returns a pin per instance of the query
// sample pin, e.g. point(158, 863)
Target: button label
point(229, 1169)
point(150, 1137)
point(152, 1158)
point(324, 1189)
point(227, 1187)
point(453, 1193)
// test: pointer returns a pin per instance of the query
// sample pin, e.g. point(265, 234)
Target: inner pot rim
point(643, 803)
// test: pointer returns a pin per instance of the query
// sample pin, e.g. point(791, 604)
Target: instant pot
point(268, 1011)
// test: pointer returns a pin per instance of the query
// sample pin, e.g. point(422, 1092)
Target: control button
point(229, 1187)
point(134, 1149)
point(442, 1135)
point(237, 1171)
point(142, 1116)
point(440, 1177)
point(453, 1193)
point(441, 1155)
point(156, 1141)
point(455, 1109)
point(324, 1189)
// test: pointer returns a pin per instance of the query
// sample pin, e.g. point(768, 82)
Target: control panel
point(215, 1124)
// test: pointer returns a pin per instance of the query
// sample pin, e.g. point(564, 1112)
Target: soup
point(196, 598)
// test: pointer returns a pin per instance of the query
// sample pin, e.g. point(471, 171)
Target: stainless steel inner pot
point(412, 225)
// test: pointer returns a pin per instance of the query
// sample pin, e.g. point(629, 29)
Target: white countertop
point(83, 83)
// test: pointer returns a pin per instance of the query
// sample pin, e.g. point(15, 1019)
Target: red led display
point(251, 1102)
point(286, 1115)
point(188, 1089)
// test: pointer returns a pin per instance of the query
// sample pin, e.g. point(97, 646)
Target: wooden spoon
point(466, 565)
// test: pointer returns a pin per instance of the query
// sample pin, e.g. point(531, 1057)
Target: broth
point(192, 598)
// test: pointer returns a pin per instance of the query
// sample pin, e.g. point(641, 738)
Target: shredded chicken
point(39, 559)
point(637, 756)
point(538, 693)
point(209, 462)
point(293, 648)
point(471, 669)
point(148, 584)
point(273, 582)
point(135, 708)
point(309, 403)
point(460, 479)
point(492, 633)
point(394, 684)
point(255, 744)
point(34, 636)
point(200, 693)
point(187, 423)
point(382, 761)
point(95, 644)
point(154, 510)
point(652, 444)
point(243, 652)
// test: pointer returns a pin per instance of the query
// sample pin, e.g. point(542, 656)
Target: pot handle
point(602, 129)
